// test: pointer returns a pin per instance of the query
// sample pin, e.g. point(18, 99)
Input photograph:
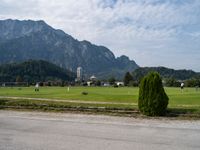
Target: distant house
point(106, 84)
point(89, 83)
point(93, 78)
point(120, 83)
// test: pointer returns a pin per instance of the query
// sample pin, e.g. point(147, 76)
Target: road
point(60, 131)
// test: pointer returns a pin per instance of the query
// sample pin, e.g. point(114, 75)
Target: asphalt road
point(51, 131)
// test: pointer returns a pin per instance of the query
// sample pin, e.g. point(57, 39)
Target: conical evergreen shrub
point(153, 100)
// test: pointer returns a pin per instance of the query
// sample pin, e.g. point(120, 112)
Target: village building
point(79, 74)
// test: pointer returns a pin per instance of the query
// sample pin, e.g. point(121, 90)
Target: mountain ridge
point(24, 40)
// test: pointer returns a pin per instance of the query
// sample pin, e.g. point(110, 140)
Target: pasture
point(188, 98)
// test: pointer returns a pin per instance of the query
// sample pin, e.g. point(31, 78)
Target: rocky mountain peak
point(10, 29)
point(28, 39)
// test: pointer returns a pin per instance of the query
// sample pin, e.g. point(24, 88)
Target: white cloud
point(148, 31)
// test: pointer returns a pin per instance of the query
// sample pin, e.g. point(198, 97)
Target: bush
point(2, 102)
point(84, 93)
point(153, 100)
point(115, 85)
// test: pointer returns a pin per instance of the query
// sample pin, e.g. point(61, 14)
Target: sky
point(151, 32)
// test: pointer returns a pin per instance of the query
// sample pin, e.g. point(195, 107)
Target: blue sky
point(152, 32)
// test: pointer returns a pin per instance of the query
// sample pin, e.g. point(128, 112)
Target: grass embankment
point(116, 109)
point(121, 100)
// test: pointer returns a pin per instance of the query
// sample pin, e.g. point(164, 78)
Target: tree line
point(34, 71)
point(169, 77)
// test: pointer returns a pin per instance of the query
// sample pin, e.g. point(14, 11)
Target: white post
point(68, 89)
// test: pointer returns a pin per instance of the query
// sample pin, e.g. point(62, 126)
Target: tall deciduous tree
point(19, 79)
point(127, 78)
point(112, 80)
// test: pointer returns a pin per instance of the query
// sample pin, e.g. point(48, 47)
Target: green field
point(189, 98)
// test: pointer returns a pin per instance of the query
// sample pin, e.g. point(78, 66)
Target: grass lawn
point(105, 94)
point(189, 98)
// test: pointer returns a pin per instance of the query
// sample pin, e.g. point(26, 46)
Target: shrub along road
point(57, 131)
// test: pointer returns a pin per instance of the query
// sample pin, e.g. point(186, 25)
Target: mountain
point(165, 73)
point(24, 40)
point(34, 71)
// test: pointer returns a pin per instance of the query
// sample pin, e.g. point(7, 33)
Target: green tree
point(111, 81)
point(193, 82)
point(98, 83)
point(172, 82)
point(19, 79)
point(153, 100)
point(127, 78)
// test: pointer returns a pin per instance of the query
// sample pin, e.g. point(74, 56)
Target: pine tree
point(153, 100)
